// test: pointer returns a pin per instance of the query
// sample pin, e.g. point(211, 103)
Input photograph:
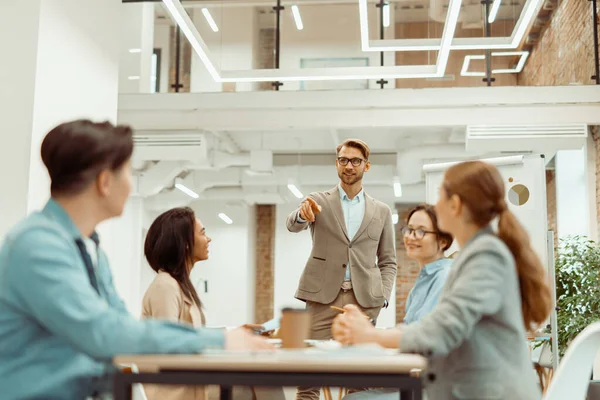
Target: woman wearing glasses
point(497, 289)
point(425, 243)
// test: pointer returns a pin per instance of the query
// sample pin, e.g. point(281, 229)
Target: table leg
point(122, 387)
point(226, 393)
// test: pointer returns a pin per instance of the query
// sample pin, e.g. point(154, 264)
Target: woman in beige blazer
point(175, 242)
point(497, 289)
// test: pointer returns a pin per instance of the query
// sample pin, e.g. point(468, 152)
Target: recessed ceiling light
point(297, 17)
point(181, 186)
point(135, 50)
point(210, 20)
point(133, 78)
point(295, 191)
point(225, 218)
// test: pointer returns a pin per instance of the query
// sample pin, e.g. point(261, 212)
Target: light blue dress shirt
point(354, 212)
point(58, 334)
point(425, 294)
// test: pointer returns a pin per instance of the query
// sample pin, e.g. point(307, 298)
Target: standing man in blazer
point(353, 258)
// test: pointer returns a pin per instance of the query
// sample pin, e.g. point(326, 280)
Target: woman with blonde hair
point(475, 338)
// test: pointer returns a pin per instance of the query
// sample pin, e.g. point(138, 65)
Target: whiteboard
point(525, 170)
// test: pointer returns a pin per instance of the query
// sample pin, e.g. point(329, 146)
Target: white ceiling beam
point(335, 136)
point(227, 142)
point(322, 119)
point(158, 176)
point(160, 103)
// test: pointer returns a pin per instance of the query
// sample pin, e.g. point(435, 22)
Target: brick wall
point(408, 270)
point(563, 54)
point(264, 291)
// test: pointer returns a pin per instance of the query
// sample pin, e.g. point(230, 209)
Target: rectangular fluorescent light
point(494, 11)
point(395, 217)
point(297, 17)
point(524, 21)
point(210, 20)
point(135, 50)
point(225, 218)
point(397, 189)
point(386, 15)
point(447, 36)
point(190, 31)
point(465, 68)
point(179, 185)
point(133, 78)
point(364, 24)
point(295, 191)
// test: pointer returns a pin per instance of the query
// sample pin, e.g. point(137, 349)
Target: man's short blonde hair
point(356, 144)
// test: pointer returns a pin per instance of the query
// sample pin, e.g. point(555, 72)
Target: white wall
point(121, 238)
point(137, 32)
point(67, 69)
point(76, 74)
point(571, 193)
point(228, 270)
point(20, 20)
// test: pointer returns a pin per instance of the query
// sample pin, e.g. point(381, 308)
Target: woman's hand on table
point(259, 329)
point(243, 339)
point(353, 327)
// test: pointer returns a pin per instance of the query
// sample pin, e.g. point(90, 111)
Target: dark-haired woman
point(175, 242)
point(425, 243)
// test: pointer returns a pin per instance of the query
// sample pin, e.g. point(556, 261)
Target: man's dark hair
point(76, 152)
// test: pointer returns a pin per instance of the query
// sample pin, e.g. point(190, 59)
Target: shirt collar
point(344, 197)
point(59, 214)
point(436, 265)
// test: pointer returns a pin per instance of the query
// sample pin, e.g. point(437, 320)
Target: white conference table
point(347, 367)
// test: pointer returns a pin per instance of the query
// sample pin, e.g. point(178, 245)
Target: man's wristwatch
point(385, 304)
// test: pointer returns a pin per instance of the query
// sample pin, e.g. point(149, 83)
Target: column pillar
point(264, 292)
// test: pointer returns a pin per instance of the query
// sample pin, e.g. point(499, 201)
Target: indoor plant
point(577, 287)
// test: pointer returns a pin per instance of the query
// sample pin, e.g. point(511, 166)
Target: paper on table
point(271, 325)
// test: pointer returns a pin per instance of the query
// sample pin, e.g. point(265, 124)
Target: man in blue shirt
point(61, 320)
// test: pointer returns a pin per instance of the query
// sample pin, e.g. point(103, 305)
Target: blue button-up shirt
point(58, 334)
point(354, 212)
point(425, 294)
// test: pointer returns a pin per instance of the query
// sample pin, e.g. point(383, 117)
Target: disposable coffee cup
point(295, 328)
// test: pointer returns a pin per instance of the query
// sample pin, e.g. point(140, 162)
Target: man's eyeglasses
point(355, 161)
point(419, 233)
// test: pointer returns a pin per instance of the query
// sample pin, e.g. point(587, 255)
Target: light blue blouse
point(425, 294)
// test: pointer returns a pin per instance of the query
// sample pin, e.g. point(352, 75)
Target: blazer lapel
point(336, 206)
point(369, 212)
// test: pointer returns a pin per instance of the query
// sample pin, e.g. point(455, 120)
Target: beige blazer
point(371, 253)
point(165, 300)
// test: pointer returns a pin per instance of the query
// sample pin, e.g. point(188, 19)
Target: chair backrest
point(572, 379)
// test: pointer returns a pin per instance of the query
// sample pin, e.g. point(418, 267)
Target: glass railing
point(251, 45)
